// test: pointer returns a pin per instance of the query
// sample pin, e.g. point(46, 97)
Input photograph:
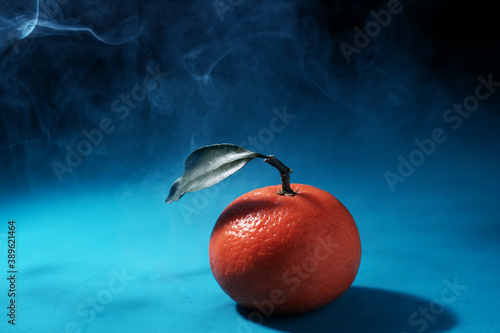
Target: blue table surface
point(135, 86)
point(121, 260)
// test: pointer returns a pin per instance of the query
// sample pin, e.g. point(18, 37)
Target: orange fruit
point(285, 254)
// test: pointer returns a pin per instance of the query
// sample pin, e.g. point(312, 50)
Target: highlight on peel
point(288, 254)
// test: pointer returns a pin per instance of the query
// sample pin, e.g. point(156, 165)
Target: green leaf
point(206, 166)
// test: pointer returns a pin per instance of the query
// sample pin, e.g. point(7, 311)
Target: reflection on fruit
point(285, 254)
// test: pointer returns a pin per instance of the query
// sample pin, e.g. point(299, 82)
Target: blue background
point(98, 250)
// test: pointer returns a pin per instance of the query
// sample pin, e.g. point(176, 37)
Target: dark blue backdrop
point(390, 106)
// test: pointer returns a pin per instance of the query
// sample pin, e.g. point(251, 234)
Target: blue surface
point(435, 230)
point(98, 250)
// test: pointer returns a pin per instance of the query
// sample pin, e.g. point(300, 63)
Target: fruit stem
point(284, 174)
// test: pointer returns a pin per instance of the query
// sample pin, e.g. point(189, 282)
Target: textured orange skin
point(282, 254)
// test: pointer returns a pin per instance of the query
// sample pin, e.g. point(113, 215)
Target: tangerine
point(285, 254)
